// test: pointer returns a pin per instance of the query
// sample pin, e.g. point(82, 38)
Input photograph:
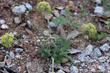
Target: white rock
point(4, 26)
point(17, 20)
point(2, 21)
point(28, 6)
point(99, 10)
point(73, 69)
point(98, 1)
point(19, 9)
point(60, 71)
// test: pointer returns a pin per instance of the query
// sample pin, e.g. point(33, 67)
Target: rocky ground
point(20, 18)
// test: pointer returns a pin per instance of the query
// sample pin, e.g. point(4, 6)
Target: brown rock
point(2, 56)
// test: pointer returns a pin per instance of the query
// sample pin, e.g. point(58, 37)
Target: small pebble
point(2, 21)
point(17, 20)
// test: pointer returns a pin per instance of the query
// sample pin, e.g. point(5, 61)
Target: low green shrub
point(56, 49)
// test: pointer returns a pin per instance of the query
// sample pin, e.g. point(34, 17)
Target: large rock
point(19, 9)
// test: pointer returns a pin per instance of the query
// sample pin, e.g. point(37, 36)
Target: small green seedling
point(90, 30)
point(7, 40)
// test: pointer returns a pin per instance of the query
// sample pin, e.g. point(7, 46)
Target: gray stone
point(105, 47)
point(83, 57)
point(17, 20)
point(74, 69)
point(12, 55)
point(28, 6)
point(2, 21)
point(19, 9)
point(96, 53)
point(88, 49)
point(18, 50)
point(73, 34)
point(52, 25)
point(60, 71)
point(29, 23)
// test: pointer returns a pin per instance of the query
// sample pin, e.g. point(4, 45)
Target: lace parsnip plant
point(7, 40)
point(90, 30)
point(44, 7)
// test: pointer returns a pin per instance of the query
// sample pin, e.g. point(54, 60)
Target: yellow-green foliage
point(44, 7)
point(90, 30)
point(7, 40)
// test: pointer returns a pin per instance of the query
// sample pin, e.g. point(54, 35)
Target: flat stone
point(96, 53)
point(4, 26)
point(82, 57)
point(88, 49)
point(73, 34)
point(74, 69)
point(105, 47)
point(74, 51)
point(60, 71)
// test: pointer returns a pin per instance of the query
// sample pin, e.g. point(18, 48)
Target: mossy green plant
point(90, 30)
point(44, 7)
point(7, 40)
